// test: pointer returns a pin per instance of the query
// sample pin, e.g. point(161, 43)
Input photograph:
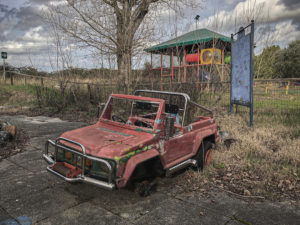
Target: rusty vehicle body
point(152, 135)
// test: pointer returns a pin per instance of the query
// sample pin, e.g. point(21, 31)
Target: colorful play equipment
point(284, 86)
point(192, 57)
point(207, 56)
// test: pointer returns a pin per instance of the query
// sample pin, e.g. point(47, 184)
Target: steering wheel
point(144, 123)
point(118, 119)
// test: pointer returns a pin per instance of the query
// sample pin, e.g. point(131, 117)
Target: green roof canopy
point(193, 37)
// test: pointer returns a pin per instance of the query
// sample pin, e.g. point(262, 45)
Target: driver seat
point(172, 110)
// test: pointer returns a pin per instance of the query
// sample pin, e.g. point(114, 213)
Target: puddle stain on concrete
point(21, 220)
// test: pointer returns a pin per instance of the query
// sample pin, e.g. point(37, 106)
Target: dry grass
point(264, 162)
point(259, 145)
point(16, 96)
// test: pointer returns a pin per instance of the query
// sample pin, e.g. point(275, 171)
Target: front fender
point(132, 164)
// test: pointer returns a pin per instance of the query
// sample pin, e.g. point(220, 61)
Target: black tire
point(203, 150)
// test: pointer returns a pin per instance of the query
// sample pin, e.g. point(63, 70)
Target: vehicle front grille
point(92, 167)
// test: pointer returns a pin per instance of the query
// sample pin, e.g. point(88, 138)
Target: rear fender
point(200, 137)
point(132, 163)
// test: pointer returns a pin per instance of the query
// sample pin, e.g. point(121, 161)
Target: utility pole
point(197, 17)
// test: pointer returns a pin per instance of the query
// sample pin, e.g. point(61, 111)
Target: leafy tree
point(28, 70)
point(287, 61)
point(274, 62)
point(264, 63)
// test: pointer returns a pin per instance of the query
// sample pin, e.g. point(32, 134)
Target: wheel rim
point(208, 157)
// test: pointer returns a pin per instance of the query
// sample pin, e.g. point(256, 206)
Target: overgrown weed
point(264, 159)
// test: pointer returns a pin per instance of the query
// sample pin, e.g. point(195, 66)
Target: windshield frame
point(160, 103)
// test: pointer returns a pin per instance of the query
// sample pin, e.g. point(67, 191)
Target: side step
point(186, 163)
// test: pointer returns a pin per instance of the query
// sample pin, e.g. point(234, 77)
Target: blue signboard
point(242, 70)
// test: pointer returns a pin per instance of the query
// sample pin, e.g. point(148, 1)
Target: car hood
point(108, 141)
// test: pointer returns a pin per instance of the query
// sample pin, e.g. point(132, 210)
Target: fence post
point(267, 87)
point(11, 79)
point(184, 66)
point(89, 92)
point(4, 72)
point(42, 82)
point(25, 81)
point(287, 88)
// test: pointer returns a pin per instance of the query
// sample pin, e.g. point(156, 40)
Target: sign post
point(241, 91)
point(4, 56)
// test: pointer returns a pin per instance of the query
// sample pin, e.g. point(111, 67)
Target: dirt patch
point(16, 145)
point(245, 184)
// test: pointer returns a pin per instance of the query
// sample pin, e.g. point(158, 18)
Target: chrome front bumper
point(81, 177)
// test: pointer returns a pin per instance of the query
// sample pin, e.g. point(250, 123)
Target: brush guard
point(80, 177)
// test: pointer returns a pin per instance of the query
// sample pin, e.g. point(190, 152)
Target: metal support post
point(251, 72)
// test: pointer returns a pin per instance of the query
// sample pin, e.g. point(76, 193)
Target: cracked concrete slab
point(85, 213)
point(124, 203)
point(35, 165)
point(16, 182)
point(139, 208)
point(174, 211)
point(27, 155)
point(250, 211)
point(42, 204)
point(38, 143)
point(4, 215)
point(40, 125)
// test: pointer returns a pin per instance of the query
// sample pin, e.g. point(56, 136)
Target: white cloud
point(262, 11)
point(275, 22)
point(31, 39)
point(34, 35)
point(286, 31)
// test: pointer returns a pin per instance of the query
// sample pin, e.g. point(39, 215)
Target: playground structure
point(198, 56)
point(286, 87)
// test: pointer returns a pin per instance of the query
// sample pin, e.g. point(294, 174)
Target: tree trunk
point(124, 68)
point(128, 22)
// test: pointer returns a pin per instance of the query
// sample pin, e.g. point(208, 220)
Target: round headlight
point(68, 155)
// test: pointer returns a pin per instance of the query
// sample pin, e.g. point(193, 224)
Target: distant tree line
point(76, 72)
point(24, 69)
point(79, 73)
point(274, 62)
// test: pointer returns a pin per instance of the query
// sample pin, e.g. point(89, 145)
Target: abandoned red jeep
point(150, 132)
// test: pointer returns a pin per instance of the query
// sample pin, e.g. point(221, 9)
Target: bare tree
point(113, 27)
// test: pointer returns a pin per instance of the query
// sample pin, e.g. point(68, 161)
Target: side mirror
point(169, 132)
point(100, 108)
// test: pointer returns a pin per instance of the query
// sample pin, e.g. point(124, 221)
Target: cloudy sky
point(27, 39)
